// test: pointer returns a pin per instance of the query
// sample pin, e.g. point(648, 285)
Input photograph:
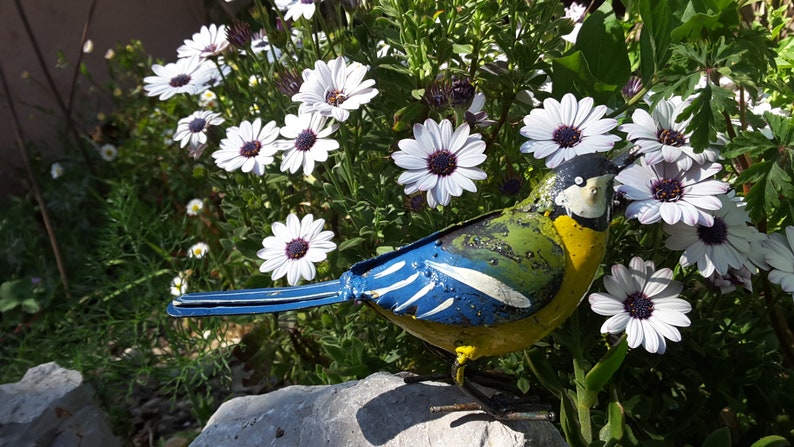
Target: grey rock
point(52, 406)
point(380, 410)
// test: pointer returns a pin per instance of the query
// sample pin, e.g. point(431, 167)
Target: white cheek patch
point(587, 200)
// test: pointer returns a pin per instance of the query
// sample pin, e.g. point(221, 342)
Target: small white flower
point(108, 152)
point(643, 302)
point(664, 192)
point(187, 75)
point(440, 162)
point(726, 244)
point(194, 207)
point(308, 142)
point(209, 41)
point(198, 250)
point(780, 257)
point(562, 130)
point(335, 88)
point(179, 285)
point(88, 46)
point(193, 129)
point(661, 137)
point(295, 247)
point(297, 8)
point(56, 170)
point(208, 99)
point(248, 147)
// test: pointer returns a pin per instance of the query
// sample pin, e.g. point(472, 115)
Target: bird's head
point(580, 188)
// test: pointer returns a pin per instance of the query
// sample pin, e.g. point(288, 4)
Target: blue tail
point(258, 301)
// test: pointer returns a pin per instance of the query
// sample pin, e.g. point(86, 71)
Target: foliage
point(126, 231)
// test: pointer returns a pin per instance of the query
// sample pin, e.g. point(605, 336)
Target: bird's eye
point(579, 181)
point(594, 191)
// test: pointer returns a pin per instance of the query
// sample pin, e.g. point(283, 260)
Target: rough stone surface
point(51, 406)
point(380, 410)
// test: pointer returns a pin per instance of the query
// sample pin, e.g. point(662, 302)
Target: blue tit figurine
point(485, 287)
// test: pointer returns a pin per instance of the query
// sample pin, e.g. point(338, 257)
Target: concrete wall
point(58, 25)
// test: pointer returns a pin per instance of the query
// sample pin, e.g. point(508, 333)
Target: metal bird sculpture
point(485, 287)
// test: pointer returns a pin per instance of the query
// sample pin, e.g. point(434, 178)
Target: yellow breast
point(584, 249)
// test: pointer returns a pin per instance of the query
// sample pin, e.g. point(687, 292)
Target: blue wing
point(469, 275)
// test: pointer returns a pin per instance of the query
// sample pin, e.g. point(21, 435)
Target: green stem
point(583, 411)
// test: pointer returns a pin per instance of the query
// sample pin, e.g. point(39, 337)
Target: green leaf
point(655, 38)
point(603, 45)
point(569, 420)
point(349, 243)
point(703, 17)
point(752, 144)
point(720, 437)
point(616, 421)
point(542, 369)
point(771, 441)
point(600, 374)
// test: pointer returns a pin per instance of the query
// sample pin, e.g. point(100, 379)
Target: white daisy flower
point(108, 152)
point(661, 137)
point(643, 302)
point(726, 244)
point(475, 115)
point(198, 250)
point(562, 130)
point(209, 41)
point(297, 8)
point(261, 44)
point(248, 147)
point(335, 88)
point(179, 284)
point(56, 170)
point(193, 129)
point(194, 207)
point(664, 192)
point(308, 142)
point(187, 75)
point(780, 257)
point(439, 161)
point(295, 247)
point(735, 277)
point(576, 13)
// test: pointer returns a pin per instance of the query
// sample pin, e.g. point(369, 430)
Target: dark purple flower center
point(638, 306)
point(567, 136)
point(670, 137)
point(251, 149)
point(305, 140)
point(716, 234)
point(667, 190)
point(297, 248)
point(197, 125)
point(210, 49)
point(442, 163)
point(307, 2)
point(335, 97)
point(179, 80)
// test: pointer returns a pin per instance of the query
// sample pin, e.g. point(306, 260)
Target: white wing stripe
point(437, 309)
point(419, 294)
point(486, 284)
point(398, 285)
point(391, 269)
